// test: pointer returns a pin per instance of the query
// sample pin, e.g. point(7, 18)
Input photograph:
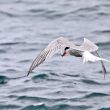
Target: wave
point(2, 51)
point(4, 79)
point(7, 14)
point(40, 76)
point(9, 107)
point(37, 107)
point(96, 94)
point(107, 31)
point(105, 108)
point(104, 44)
point(56, 107)
point(72, 75)
point(37, 99)
point(87, 81)
point(11, 43)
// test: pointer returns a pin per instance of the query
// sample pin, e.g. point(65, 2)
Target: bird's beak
point(64, 53)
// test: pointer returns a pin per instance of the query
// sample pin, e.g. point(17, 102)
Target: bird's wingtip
point(28, 73)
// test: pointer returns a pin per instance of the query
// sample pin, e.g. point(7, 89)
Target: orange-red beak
point(64, 53)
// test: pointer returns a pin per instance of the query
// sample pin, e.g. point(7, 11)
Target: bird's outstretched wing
point(89, 45)
point(52, 48)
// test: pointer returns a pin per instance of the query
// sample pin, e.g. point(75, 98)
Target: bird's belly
point(75, 53)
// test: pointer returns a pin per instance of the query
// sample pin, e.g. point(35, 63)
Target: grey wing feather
point(38, 60)
point(48, 52)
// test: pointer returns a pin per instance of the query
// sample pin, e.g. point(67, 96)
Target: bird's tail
point(87, 56)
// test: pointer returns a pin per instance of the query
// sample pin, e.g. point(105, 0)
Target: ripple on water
point(56, 107)
point(103, 44)
point(9, 107)
point(37, 107)
point(88, 81)
point(40, 77)
point(72, 75)
point(62, 107)
point(46, 77)
point(102, 32)
point(36, 99)
point(68, 107)
point(10, 43)
point(95, 94)
point(3, 80)
point(2, 51)
point(7, 14)
point(105, 108)
point(24, 61)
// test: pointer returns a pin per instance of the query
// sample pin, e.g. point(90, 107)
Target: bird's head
point(65, 51)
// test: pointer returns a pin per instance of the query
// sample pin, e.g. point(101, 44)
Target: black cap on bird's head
point(66, 48)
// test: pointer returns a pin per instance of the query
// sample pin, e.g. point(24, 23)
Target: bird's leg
point(103, 66)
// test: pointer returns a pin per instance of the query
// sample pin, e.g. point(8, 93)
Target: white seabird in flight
point(83, 51)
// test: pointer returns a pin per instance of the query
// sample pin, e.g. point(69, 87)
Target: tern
point(85, 51)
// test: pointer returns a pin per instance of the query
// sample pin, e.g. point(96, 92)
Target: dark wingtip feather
point(29, 72)
point(103, 66)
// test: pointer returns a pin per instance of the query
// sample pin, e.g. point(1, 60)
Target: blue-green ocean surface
point(26, 27)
